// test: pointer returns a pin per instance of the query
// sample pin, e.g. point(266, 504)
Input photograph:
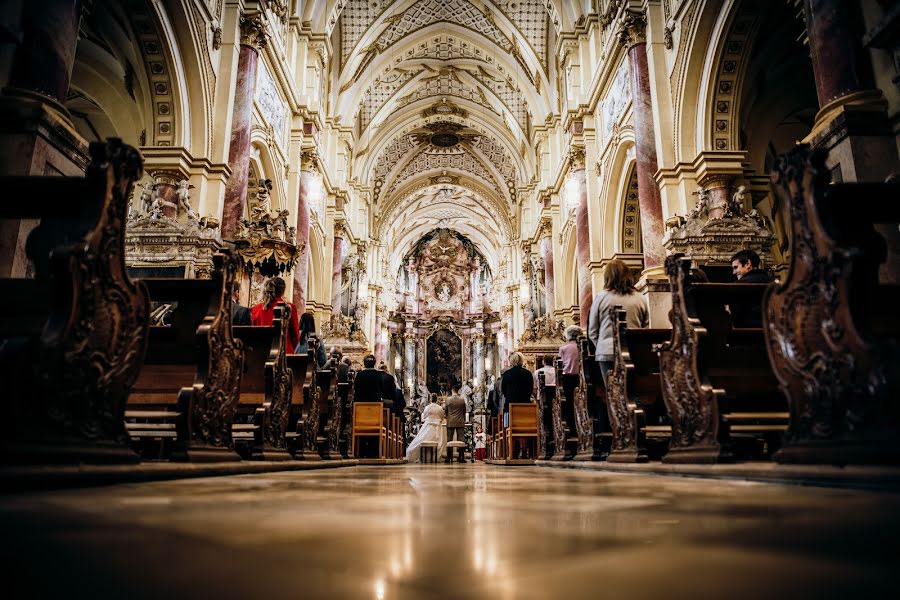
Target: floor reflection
point(461, 531)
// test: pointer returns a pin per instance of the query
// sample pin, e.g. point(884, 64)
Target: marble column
point(834, 48)
point(719, 190)
point(409, 359)
point(337, 262)
point(577, 186)
point(377, 345)
point(43, 60)
point(478, 356)
point(37, 136)
point(475, 287)
point(166, 184)
point(301, 268)
point(632, 36)
point(547, 257)
point(253, 38)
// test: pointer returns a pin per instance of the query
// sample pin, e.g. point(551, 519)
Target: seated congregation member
point(745, 266)
point(618, 290)
point(335, 362)
point(431, 430)
point(307, 334)
point(400, 404)
point(516, 385)
point(264, 313)
point(367, 384)
point(388, 387)
point(240, 314)
point(455, 408)
point(493, 401)
point(570, 354)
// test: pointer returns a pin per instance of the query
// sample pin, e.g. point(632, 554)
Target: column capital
point(253, 31)
point(309, 160)
point(632, 28)
point(576, 157)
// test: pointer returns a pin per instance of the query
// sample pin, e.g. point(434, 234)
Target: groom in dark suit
point(455, 409)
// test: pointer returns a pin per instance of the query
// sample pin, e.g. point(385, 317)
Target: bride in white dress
point(432, 430)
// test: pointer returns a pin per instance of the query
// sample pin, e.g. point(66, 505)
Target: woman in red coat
point(264, 313)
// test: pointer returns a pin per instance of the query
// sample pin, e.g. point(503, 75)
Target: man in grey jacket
point(455, 409)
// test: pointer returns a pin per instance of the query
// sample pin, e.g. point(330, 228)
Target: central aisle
point(461, 531)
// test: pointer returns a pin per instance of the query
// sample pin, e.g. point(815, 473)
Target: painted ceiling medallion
point(445, 139)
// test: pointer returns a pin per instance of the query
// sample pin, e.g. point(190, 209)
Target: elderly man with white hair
point(516, 385)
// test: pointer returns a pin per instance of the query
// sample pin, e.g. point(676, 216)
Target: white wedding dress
point(432, 430)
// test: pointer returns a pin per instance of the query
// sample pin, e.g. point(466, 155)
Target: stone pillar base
point(856, 132)
point(654, 287)
point(36, 138)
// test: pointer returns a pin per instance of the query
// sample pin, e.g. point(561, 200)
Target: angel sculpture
point(701, 207)
point(146, 198)
point(735, 208)
point(184, 200)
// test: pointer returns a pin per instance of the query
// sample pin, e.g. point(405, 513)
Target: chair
point(428, 451)
point(451, 446)
point(523, 422)
point(368, 421)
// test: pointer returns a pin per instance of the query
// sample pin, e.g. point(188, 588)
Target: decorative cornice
point(632, 28)
point(253, 31)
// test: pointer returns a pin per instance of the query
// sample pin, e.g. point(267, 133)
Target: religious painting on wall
point(444, 361)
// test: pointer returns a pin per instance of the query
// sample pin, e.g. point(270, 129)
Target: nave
point(466, 531)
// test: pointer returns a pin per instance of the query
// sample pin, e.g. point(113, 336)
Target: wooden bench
point(72, 338)
point(546, 396)
point(345, 392)
point(592, 422)
point(266, 387)
point(562, 415)
point(183, 403)
point(637, 412)
point(368, 421)
point(304, 416)
point(330, 413)
point(523, 423)
point(716, 380)
point(832, 328)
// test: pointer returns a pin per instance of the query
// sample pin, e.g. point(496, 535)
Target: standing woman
point(307, 333)
point(263, 313)
point(618, 290)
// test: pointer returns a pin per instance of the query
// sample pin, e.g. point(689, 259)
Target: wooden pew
point(368, 421)
point(304, 416)
point(565, 440)
point(716, 381)
point(345, 391)
point(72, 338)
point(637, 412)
point(264, 408)
point(832, 329)
point(594, 433)
point(183, 402)
point(523, 423)
point(330, 413)
point(546, 396)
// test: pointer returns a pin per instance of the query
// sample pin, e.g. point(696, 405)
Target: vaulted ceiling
point(444, 93)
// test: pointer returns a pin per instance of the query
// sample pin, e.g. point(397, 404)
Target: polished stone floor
point(461, 531)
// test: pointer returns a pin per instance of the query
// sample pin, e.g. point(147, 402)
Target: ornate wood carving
point(837, 376)
point(278, 391)
point(90, 351)
point(584, 425)
point(544, 411)
point(212, 400)
point(331, 411)
point(559, 424)
point(308, 426)
point(622, 411)
point(691, 401)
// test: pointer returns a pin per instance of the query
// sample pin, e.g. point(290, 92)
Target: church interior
point(247, 244)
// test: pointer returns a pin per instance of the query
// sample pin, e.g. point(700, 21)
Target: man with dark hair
point(240, 314)
point(368, 382)
point(455, 409)
point(745, 266)
point(335, 363)
point(388, 387)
